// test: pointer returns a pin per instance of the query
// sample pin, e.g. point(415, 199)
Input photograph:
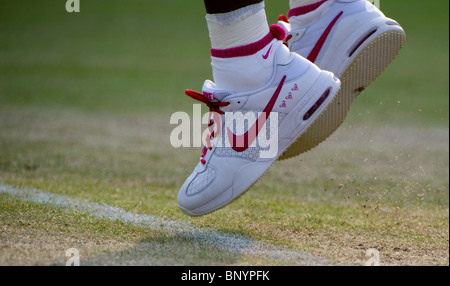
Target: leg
point(225, 6)
point(233, 27)
point(260, 88)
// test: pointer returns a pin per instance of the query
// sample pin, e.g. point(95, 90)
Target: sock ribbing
point(237, 28)
point(276, 32)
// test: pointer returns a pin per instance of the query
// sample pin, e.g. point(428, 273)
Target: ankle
point(237, 28)
point(248, 67)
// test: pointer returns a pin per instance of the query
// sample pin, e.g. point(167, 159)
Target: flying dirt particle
point(360, 89)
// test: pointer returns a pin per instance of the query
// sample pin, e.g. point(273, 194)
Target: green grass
point(132, 58)
point(85, 102)
point(127, 58)
point(99, 242)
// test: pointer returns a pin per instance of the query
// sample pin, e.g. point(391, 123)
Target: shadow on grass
point(167, 251)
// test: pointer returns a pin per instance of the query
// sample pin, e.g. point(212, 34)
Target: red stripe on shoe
point(318, 47)
point(305, 9)
point(242, 142)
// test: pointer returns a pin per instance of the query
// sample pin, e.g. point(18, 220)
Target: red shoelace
point(214, 107)
point(283, 18)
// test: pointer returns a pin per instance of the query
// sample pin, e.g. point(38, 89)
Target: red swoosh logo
point(267, 55)
point(318, 47)
point(242, 142)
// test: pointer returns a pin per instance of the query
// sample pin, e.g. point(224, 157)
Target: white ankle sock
point(233, 69)
point(238, 28)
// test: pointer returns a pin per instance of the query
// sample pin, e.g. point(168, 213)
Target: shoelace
point(283, 18)
point(214, 107)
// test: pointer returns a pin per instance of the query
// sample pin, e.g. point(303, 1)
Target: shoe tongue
point(285, 25)
point(212, 93)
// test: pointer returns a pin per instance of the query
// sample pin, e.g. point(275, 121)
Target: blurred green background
point(85, 103)
point(138, 56)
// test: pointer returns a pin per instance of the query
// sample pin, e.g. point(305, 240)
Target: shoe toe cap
point(198, 194)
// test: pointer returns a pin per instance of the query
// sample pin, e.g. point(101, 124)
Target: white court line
point(225, 241)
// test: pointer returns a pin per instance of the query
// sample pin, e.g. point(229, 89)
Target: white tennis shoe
point(248, 131)
point(352, 39)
